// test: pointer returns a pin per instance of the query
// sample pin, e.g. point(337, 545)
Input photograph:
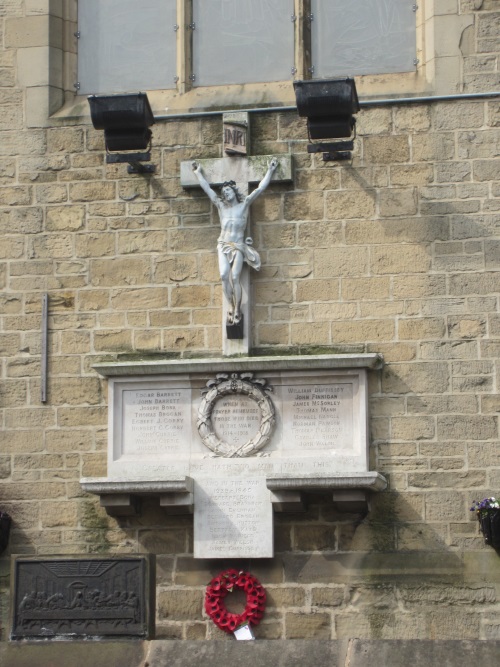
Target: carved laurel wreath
point(236, 383)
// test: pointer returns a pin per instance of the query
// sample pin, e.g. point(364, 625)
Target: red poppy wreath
point(226, 582)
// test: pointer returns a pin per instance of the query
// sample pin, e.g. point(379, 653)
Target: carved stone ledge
point(122, 498)
point(350, 491)
point(304, 362)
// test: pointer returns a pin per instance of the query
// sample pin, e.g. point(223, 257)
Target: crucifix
point(235, 247)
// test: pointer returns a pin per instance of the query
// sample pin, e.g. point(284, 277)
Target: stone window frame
point(51, 96)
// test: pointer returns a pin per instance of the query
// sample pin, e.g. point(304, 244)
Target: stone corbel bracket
point(120, 498)
point(350, 491)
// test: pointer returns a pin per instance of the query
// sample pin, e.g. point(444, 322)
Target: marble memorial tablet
point(233, 518)
point(230, 432)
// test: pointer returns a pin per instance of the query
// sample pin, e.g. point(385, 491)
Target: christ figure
point(232, 247)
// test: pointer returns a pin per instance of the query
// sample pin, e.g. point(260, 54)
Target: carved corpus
point(242, 384)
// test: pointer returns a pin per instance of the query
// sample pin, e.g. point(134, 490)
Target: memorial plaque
point(232, 434)
point(233, 518)
point(155, 421)
point(318, 417)
point(82, 597)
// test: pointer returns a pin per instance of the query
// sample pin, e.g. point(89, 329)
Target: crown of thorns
point(231, 184)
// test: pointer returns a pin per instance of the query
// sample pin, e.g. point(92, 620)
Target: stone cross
point(243, 170)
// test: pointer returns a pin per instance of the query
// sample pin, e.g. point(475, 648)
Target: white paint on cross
point(244, 171)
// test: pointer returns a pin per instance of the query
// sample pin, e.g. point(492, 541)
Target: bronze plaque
point(82, 597)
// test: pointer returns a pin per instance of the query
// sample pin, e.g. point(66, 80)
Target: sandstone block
point(95, 244)
point(65, 218)
point(273, 293)
point(147, 340)
point(421, 328)
point(196, 296)
point(341, 262)
point(51, 246)
point(278, 236)
point(120, 271)
point(113, 340)
point(412, 118)
point(180, 604)
point(75, 390)
point(170, 318)
point(316, 234)
point(397, 202)
point(65, 139)
point(69, 440)
point(306, 179)
point(304, 206)
point(52, 193)
point(413, 174)
point(189, 240)
point(32, 490)
point(18, 195)
point(317, 290)
point(358, 331)
point(181, 339)
point(412, 428)
point(435, 146)
point(58, 514)
point(307, 626)
point(486, 170)
point(470, 427)
point(310, 334)
point(26, 31)
point(167, 541)
point(92, 191)
point(142, 242)
point(418, 378)
point(410, 258)
point(451, 116)
point(315, 538)
point(477, 144)
point(386, 149)
point(347, 205)
point(273, 334)
point(376, 287)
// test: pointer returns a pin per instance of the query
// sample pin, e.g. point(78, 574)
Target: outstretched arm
point(264, 182)
point(204, 183)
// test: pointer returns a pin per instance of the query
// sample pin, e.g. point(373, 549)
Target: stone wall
point(397, 252)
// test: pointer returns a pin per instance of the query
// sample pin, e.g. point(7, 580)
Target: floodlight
point(329, 106)
point(126, 120)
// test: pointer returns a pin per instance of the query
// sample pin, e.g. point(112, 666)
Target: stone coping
point(369, 481)
point(142, 487)
point(220, 364)
point(260, 653)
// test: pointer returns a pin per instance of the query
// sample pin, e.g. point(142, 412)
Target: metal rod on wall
point(45, 327)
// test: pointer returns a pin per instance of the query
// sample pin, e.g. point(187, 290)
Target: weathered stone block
point(403, 259)
point(120, 271)
point(386, 149)
point(347, 205)
point(307, 626)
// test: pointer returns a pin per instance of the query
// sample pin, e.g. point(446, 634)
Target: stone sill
point(371, 361)
point(369, 481)
point(122, 497)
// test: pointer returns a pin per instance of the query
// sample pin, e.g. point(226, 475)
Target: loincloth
point(250, 255)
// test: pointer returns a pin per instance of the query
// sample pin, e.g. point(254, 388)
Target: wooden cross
point(244, 170)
